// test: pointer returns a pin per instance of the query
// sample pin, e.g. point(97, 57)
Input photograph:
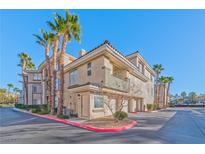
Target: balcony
point(114, 82)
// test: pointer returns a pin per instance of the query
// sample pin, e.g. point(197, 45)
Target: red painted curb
point(119, 129)
point(134, 112)
point(84, 126)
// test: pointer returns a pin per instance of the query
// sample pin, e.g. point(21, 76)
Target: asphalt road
point(177, 125)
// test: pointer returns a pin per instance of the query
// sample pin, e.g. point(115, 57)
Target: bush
point(44, 111)
point(20, 106)
point(149, 107)
point(62, 116)
point(120, 115)
point(155, 106)
point(36, 110)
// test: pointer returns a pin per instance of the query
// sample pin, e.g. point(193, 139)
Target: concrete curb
point(83, 126)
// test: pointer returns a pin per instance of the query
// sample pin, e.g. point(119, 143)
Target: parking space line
point(16, 122)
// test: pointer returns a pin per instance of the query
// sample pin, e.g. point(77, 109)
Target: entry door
point(84, 105)
point(138, 105)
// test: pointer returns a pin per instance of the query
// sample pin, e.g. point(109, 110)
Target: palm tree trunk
point(64, 44)
point(167, 94)
point(48, 72)
point(156, 89)
point(164, 91)
point(55, 49)
point(25, 84)
point(158, 95)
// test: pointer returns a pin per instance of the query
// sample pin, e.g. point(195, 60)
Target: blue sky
point(173, 38)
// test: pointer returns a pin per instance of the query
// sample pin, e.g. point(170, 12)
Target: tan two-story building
point(101, 81)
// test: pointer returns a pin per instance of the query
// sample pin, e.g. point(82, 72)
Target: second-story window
point(37, 76)
point(57, 84)
point(141, 68)
point(151, 77)
point(89, 72)
point(73, 77)
point(58, 65)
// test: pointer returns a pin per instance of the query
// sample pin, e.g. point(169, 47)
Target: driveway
point(176, 125)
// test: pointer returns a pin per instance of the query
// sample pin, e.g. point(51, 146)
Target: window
point(57, 84)
point(89, 69)
point(73, 77)
point(151, 77)
point(36, 89)
point(98, 101)
point(141, 68)
point(152, 91)
point(58, 65)
point(34, 101)
point(37, 76)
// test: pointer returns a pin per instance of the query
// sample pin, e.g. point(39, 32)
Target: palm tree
point(183, 95)
point(9, 85)
point(16, 90)
point(192, 96)
point(163, 81)
point(25, 64)
point(158, 69)
point(46, 41)
point(169, 79)
point(57, 28)
point(70, 29)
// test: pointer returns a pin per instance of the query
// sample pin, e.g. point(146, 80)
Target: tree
point(16, 90)
point(163, 81)
point(56, 27)
point(46, 41)
point(9, 85)
point(169, 80)
point(192, 96)
point(25, 64)
point(70, 29)
point(158, 69)
point(183, 95)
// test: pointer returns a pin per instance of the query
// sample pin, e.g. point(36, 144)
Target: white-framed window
point(73, 77)
point(89, 72)
point(98, 101)
point(37, 76)
point(36, 89)
point(36, 101)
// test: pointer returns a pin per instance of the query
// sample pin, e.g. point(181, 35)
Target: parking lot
point(175, 125)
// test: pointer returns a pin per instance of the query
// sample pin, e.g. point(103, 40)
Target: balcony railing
point(114, 82)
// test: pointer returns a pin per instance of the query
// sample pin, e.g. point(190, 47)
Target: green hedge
point(62, 116)
point(23, 106)
point(120, 115)
point(20, 106)
point(149, 107)
point(152, 107)
point(39, 109)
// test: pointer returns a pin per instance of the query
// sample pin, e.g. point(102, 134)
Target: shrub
point(149, 107)
point(44, 111)
point(120, 115)
point(62, 116)
point(36, 110)
point(20, 106)
point(155, 106)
